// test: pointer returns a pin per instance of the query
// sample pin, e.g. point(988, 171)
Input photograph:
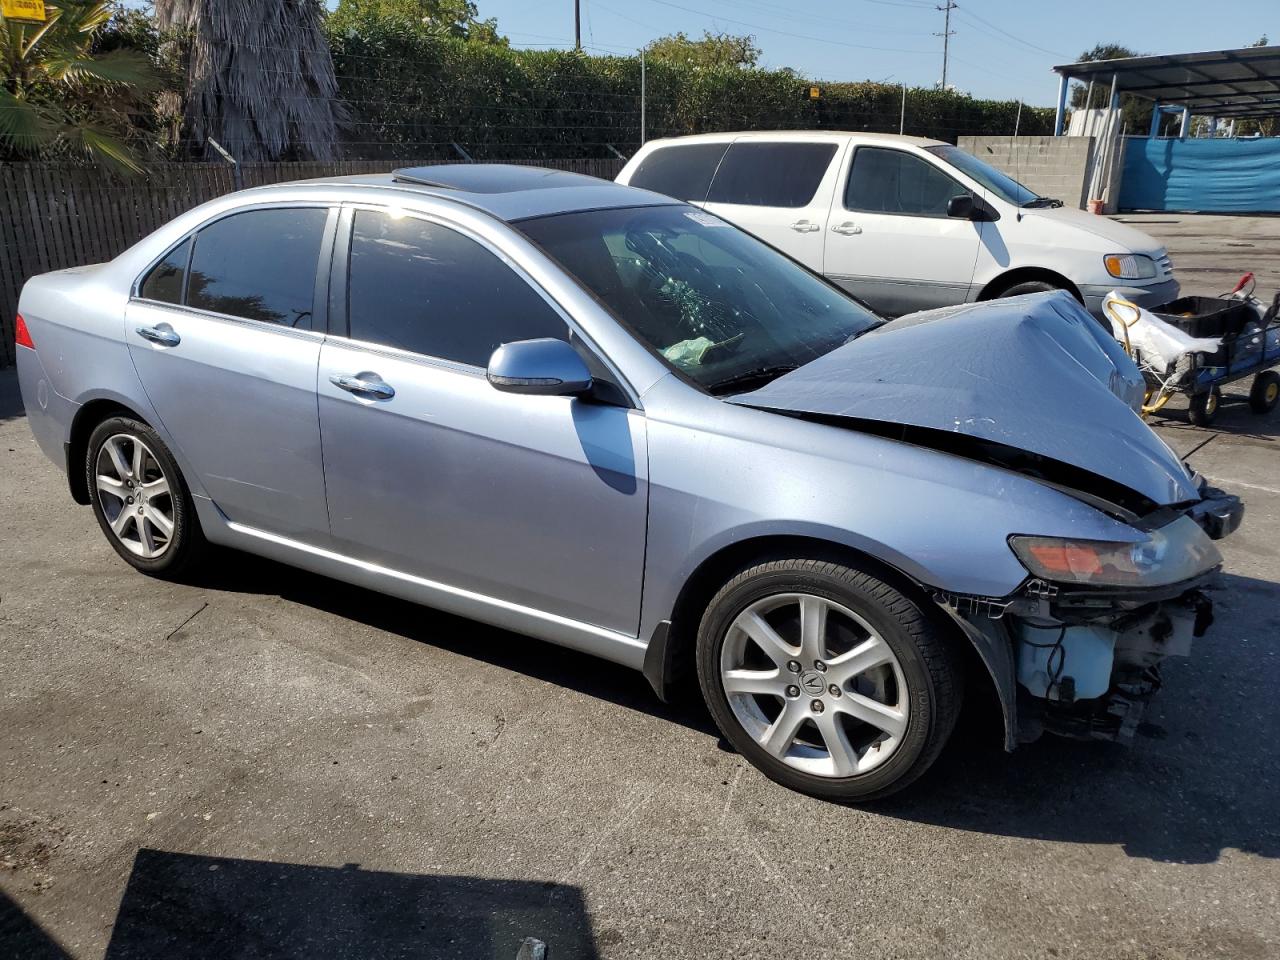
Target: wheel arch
point(86, 419)
point(669, 658)
point(1018, 275)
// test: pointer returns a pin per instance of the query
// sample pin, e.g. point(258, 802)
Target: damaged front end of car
point(1077, 649)
point(1032, 388)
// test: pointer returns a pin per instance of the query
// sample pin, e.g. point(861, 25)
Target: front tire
point(1027, 286)
point(829, 680)
point(140, 499)
point(1265, 391)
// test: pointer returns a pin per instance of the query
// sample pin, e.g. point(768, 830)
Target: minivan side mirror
point(962, 207)
point(545, 368)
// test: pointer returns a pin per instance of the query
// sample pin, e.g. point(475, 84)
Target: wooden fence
point(59, 215)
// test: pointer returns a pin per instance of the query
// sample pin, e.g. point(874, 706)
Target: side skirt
point(597, 641)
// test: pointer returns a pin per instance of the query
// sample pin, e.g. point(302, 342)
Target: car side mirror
point(962, 207)
point(541, 368)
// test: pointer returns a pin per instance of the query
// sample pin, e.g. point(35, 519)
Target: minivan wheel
point(1027, 286)
point(829, 680)
point(140, 498)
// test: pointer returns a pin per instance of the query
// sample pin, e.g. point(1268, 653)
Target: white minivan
point(904, 223)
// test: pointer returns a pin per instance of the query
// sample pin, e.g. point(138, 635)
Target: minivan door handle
point(847, 228)
point(805, 226)
point(367, 383)
point(163, 334)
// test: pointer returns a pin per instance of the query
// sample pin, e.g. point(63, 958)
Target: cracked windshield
point(723, 308)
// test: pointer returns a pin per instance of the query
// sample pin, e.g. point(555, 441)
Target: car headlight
point(1130, 266)
point(1176, 552)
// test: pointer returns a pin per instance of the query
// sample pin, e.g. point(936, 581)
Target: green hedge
point(412, 96)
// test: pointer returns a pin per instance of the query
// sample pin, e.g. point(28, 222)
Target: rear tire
point(1204, 407)
point(1265, 392)
point(828, 680)
point(141, 500)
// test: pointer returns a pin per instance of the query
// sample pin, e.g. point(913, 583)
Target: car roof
point(800, 135)
point(506, 191)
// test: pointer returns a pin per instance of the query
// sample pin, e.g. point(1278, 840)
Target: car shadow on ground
point(1182, 794)
point(10, 395)
point(210, 908)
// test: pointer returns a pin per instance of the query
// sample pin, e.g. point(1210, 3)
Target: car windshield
point(717, 304)
point(1002, 185)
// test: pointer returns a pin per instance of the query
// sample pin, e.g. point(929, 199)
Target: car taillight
point(21, 335)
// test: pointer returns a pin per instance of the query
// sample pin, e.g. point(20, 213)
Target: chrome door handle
point(361, 384)
point(804, 226)
point(164, 335)
point(847, 228)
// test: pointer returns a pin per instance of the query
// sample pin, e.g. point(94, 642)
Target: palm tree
point(260, 79)
point(56, 96)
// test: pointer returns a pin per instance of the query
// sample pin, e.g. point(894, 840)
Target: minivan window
point(260, 265)
point(895, 182)
point(164, 282)
point(682, 171)
point(1001, 184)
point(771, 174)
point(421, 287)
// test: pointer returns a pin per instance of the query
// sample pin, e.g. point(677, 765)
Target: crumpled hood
point(1036, 373)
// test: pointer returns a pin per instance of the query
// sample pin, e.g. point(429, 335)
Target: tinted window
point(890, 181)
point(771, 174)
point(260, 264)
point(422, 287)
point(682, 171)
point(164, 282)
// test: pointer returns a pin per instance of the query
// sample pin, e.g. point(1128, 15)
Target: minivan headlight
point(1130, 266)
point(1176, 552)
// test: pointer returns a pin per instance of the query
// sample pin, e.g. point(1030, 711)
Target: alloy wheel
point(814, 684)
point(135, 496)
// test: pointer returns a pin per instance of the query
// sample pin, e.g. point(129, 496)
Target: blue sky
point(894, 39)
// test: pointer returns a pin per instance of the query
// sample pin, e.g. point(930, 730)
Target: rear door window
point(165, 281)
point(259, 265)
point(682, 171)
point(894, 182)
point(771, 174)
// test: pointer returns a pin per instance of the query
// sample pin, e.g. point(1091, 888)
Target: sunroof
point(493, 178)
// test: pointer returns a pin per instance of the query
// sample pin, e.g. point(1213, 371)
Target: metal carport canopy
point(1222, 83)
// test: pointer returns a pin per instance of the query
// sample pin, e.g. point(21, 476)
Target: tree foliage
point(259, 77)
point(417, 95)
point(60, 97)
point(442, 18)
point(712, 50)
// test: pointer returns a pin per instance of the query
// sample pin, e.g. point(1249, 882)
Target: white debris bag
point(1159, 342)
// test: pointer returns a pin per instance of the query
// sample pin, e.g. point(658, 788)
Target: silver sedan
point(611, 421)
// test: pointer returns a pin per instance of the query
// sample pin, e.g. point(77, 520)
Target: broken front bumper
point(1084, 662)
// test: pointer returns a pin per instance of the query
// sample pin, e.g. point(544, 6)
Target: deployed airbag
point(1037, 373)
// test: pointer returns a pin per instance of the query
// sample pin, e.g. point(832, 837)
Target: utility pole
point(946, 35)
point(577, 24)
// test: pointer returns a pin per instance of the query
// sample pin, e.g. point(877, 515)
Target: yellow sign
point(814, 93)
point(23, 9)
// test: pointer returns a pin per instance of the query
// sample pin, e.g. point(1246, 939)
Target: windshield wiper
point(1043, 202)
point(758, 375)
point(867, 329)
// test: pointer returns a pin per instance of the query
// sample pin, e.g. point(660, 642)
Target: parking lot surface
point(267, 763)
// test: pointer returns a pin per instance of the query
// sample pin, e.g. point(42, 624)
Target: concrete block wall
point(1051, 166)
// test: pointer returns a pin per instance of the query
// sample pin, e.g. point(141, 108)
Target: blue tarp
point(1208, 176)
